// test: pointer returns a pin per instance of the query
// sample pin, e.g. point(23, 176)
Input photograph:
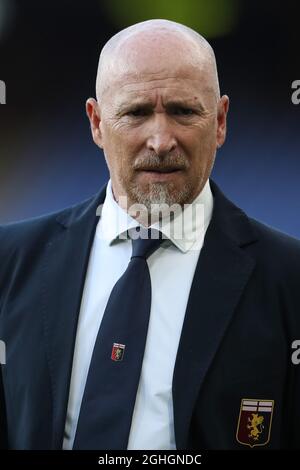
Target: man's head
point(158, 116)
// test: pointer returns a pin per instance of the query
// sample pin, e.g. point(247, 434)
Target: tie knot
point(145, 242)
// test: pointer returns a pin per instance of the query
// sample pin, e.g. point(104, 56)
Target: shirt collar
point(186, 229)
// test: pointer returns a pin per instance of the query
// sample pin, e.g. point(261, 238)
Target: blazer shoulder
point(275, 237)
point(29, 233)
point(280, 250)
point(23, 243)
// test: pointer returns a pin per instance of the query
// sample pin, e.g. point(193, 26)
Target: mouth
point(160, 174)
point(161, 169)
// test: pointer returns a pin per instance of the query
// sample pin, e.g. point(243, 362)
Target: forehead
point(167, 85)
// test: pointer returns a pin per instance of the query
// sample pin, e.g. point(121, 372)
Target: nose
point(161, 139)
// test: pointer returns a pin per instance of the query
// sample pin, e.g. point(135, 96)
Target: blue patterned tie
point(112, 382)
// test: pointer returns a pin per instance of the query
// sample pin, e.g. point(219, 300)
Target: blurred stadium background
point(48, 58)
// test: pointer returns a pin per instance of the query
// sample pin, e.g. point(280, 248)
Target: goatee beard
point(156, 195)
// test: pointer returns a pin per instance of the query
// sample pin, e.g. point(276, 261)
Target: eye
point(181, 111)
point(138, 112)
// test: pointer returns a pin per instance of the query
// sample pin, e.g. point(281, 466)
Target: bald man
point(218, 367)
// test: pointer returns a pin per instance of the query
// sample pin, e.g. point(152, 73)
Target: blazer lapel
point(65, 264)
point(222, 272)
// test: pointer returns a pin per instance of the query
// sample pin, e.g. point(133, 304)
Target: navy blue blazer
point(242, 316)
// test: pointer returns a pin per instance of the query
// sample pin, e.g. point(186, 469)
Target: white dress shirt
point(172, 268)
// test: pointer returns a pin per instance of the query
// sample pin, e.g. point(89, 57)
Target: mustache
point(169, 161)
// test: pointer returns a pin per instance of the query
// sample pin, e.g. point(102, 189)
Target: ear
point(93, 113)
point(223, 107)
